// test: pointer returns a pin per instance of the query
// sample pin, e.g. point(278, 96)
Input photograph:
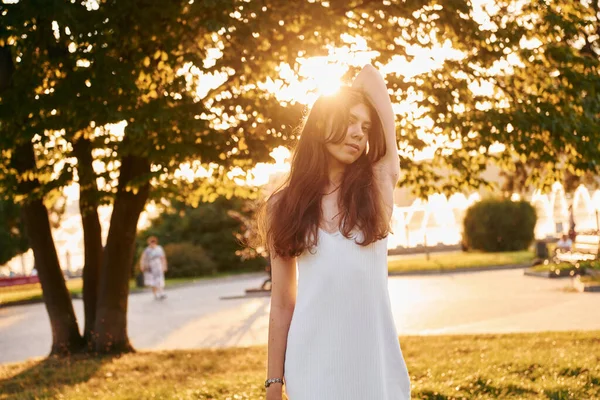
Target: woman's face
point(355, 142)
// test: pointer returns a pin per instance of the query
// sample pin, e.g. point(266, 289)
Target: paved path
point(196, 316)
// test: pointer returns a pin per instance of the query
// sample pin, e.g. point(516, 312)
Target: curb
point(541, 274)
point(458, 270)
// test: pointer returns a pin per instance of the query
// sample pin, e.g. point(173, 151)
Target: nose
point(356, 132)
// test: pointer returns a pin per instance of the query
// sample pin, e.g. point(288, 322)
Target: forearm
point(279, 324)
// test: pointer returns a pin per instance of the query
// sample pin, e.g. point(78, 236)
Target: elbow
point(283, 306)
point(289, 306)
point(283, 299)
point(394, 170)
point(395, 177)
point(282, 312)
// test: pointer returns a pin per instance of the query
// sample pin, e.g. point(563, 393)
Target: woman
point(331, 333)
point(154, 265)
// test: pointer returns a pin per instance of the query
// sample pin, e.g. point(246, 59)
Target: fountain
point(584, 211)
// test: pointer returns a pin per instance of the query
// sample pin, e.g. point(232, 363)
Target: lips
point(353, 146)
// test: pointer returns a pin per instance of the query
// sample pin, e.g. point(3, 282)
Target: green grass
point(33, 292)
point(551, 267)
point(450, 261)
point(520, 366)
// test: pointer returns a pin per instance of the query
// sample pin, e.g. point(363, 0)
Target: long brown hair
point(290, 219)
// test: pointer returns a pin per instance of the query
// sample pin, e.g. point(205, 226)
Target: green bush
point(593, 264)
point(188, 260)
point(213, 227)
point(499, 225)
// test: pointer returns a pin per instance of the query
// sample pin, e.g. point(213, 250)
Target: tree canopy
point(537, 65)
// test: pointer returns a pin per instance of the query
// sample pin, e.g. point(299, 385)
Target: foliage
point(499, 225)
point(13, 240)
point(216, 228)
point(561, 365)
point(140, 65)
point(594, 264)
point(188, 260)
point(540, 103)
point(538, 63)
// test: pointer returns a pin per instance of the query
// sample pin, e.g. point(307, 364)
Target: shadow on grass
point(429, 395)
point(48, 378)
point(559, 394)
point(484, 386)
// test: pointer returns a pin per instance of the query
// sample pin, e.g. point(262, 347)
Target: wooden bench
point(585, 247)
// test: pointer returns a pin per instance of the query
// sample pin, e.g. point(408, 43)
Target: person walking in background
point(331, 331)
point(153, 264)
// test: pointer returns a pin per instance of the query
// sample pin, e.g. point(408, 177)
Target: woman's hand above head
point(367, 77)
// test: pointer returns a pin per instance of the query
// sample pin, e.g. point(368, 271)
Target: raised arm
point(371, 83)
point(387, 170)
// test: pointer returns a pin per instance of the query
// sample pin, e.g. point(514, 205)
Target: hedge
point(494, 225)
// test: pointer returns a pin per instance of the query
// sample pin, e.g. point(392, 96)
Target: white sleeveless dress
point(342, 342)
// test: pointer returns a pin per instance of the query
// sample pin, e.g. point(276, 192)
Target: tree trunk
point(92, 235)
point(111, 314)
point(65, 331)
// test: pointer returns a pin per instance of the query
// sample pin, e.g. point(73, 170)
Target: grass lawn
point(32, 292)
point(522, 366)
point(450, 261)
